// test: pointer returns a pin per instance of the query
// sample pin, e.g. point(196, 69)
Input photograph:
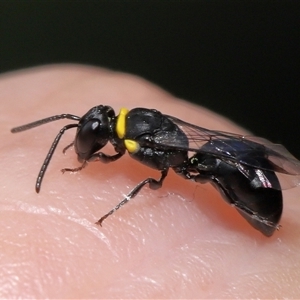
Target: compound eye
point(87, 137)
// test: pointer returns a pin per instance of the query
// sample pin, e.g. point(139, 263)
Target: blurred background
point(238, 58)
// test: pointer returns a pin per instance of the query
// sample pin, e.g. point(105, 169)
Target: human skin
point(181, 241)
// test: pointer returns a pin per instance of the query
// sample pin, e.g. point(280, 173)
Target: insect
point(250, 172)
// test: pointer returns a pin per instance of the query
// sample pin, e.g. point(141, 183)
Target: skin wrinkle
point(155, 247)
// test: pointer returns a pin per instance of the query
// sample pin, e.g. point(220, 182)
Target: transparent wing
point(234, 147)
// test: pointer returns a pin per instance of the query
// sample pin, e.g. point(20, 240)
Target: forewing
point(282, 161)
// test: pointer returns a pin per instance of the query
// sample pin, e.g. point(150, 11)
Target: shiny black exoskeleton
point(254, 192)
point(243, 169)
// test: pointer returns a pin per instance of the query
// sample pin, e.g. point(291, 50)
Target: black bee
point(246, 170)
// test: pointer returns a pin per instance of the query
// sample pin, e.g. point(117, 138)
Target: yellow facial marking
point(131, 146)
point(121, 123)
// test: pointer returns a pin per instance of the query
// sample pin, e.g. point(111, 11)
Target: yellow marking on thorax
point(132, 146)
point(121, 123)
